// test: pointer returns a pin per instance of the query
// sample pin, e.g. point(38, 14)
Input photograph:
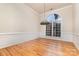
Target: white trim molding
point(76, 40)
point(65, 36)
point(8, 39)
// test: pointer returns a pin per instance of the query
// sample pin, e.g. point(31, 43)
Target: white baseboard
point(65, 36)
point(9, 39)
point(76, 40)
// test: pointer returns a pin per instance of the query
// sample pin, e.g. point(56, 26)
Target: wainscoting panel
point(8, 39)
point(65, 36)
point(76, 40)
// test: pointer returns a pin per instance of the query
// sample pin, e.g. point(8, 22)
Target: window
point(55, 21)
point(53, 18)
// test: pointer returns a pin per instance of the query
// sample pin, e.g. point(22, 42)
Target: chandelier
point(44, 22)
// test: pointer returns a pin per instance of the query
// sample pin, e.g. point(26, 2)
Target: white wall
point(66, 14)
point(76, 12)
point(76, 24)
point(18, 23)
point(18, 18)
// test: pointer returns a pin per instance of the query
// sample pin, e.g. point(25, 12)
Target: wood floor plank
point(41, 47)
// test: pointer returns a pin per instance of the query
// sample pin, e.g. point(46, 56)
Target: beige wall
point(66, 14)
point(18, 23)
point(18, 18)
point(76, 22)
point(67, 19)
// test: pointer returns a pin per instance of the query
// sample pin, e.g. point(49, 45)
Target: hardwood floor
point(41, 47)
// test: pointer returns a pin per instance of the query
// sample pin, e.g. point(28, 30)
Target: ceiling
point(39, 7)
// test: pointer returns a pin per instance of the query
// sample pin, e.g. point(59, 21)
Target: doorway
point(54, 28)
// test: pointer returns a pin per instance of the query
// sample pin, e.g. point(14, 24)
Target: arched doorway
point(54, 28)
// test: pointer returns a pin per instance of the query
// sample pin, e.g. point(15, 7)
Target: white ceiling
point(39, 7)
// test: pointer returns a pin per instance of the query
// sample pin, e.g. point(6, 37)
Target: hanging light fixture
point(45, 22)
